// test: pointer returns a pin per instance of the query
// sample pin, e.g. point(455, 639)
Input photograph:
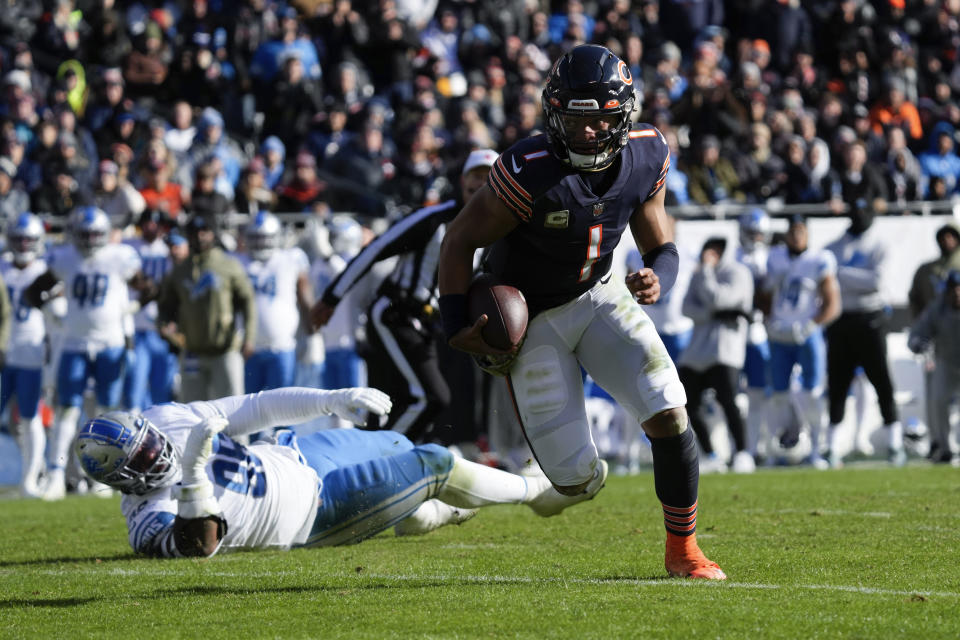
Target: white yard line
point(824, 512)
point(497, 579)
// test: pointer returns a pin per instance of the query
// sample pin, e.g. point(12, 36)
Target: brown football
point(506, 311)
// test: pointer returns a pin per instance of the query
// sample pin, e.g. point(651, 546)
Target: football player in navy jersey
point(552, 211)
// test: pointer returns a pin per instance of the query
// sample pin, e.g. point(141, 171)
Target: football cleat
point(684, 559)
point(897, 457)
point(431, 515)
point(54, 486)
point(743, 462)
point(547, 501)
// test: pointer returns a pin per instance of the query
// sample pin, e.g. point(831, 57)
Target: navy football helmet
point(589, 81)
point(91, 229)
point(263, 235)
point(127, 452)
point(25, 238)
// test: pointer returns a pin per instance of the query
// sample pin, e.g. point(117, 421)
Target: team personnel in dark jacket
point(939, 325)
point(198, 309)
point(402, 323)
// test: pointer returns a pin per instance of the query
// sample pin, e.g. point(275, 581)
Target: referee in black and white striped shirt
point(402, 322)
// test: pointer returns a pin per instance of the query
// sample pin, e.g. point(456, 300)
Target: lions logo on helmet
point(25, 238)
point(588, 82)
point(91, 229)
point(346, 236)
point(126, 451)
point(263, 235)
point(754, 228)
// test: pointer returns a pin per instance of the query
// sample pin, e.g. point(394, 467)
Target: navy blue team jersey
point(566, 237)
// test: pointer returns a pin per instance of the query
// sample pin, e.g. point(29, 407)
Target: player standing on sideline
point(859, 336)
point(719, 300)
point(805, 298)
point(26, 350)
point(95, 277)
point(281, 289)
point(940, 324)
point(553, 209)
point(753, 252)
point(401, 325)
point(342, 366)
point(150, 379)
point(191, 489)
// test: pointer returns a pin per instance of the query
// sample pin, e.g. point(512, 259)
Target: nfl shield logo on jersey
point(597, 208)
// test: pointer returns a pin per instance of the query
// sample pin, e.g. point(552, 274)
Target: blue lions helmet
point(263, 235)
point(127, 452)
point(91, 229)
point(25, 238)
point(754, 228)
point(346, 236)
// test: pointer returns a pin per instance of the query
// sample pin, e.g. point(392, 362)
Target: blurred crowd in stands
point(210, 106)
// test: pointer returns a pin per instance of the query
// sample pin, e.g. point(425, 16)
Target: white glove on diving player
point(354, 404)
point(195, 492)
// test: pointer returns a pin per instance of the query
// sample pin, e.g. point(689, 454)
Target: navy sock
point(676, 474)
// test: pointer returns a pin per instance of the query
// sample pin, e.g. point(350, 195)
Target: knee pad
point(538, 382)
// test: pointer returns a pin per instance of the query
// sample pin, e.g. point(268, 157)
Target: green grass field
point(856, 553)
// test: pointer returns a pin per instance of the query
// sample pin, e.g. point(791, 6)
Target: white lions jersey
point(340, 331)
point(97, 294)
point(275, 290)
point(796, 281)
point(755, 259)
point(268, 495)
point(155, 260)
point(27, 332)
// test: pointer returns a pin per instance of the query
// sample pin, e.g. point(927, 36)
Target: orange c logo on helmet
point(624, 72)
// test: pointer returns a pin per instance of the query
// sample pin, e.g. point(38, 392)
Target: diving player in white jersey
point(25, 352)
point(282, 292)
point(150, 379)
point(753, 251)
point(93, 275)
point(190, 489)
point(805, 298)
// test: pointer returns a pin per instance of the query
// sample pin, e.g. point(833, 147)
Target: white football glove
point(354, 404)
point(195, 493)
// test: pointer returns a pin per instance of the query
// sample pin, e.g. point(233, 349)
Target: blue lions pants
point(106, 369)
point(370, 481)
point(149, 378)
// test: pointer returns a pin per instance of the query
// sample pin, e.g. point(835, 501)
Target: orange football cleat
point(685, 560)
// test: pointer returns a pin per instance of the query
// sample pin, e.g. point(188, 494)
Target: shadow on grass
point(16, 603)
point(36, 562)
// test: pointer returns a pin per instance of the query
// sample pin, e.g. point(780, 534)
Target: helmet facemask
point(589, 82)
point(127, 452)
